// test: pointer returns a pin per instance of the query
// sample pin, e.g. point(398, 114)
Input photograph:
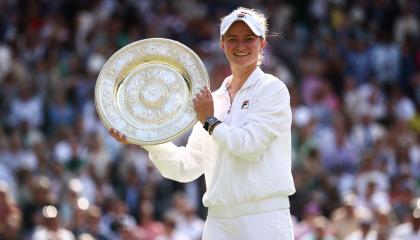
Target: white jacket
point(247, 160)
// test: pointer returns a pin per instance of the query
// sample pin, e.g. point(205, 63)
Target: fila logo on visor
point(242, 14)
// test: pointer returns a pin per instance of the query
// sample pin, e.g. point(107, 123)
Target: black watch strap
point(206, 126)
point(210, 121)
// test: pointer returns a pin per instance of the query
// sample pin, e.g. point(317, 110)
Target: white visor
point(250, 20)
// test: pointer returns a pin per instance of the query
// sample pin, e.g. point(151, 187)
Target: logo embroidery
point(242, 14)
point(245, 104)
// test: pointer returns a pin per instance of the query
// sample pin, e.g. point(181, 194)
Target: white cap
point(246, 17)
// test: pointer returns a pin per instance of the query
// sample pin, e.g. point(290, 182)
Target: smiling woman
point(256, 26)
point(242, 142)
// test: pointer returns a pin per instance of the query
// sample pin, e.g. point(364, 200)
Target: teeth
point(241, 54)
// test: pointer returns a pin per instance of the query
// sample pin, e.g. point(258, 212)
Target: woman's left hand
point(203, 104)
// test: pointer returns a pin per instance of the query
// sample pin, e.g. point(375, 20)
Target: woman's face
point(241, 45)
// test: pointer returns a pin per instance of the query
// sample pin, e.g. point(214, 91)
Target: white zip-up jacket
point(247, 160)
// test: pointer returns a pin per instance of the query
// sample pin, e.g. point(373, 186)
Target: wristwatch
point(209, 122)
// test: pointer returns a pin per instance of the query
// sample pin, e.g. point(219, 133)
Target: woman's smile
point(241, 45)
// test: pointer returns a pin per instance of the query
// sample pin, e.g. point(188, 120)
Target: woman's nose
point(241, 44)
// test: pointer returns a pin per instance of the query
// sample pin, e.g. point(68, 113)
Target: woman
point(242, 142)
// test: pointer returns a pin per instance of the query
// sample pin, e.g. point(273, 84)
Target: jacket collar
point(252, 79)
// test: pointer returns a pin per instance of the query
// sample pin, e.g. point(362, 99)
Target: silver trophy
point(145, 90)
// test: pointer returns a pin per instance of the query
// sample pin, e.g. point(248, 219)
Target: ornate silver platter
point(145, 90)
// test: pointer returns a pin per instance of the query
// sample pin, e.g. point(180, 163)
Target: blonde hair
point(261, 18)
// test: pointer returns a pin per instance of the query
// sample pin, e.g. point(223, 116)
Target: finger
point(117, 135)
point(114, 133)
point(198, 96)
point(204, 92)
point(208, 92)
point(124, 139)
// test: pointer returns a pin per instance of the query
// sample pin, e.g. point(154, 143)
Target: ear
point(263, 43)
point(222, 45)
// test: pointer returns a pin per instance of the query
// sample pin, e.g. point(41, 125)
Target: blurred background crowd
point(353, 71)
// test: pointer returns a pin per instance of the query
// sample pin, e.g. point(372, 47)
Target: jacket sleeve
point(270, 117)
point(182, 164)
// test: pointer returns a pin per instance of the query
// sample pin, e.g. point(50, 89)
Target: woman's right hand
point(118, 136)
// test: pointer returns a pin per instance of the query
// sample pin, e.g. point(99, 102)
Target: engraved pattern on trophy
point(152, 95)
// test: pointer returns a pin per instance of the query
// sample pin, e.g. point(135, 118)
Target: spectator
point(10, 214)
point(307, 226)
point(50, 228)
point(320, 230)
point(93, 224)
point(26, 106)
point(365, 230)
point(170, 231)
point(409, 230)
point(148, 225)
point(346, 218)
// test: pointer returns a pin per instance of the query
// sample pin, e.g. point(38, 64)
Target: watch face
point(211, 120)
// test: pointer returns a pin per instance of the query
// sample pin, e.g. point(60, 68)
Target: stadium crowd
point(353, 70)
